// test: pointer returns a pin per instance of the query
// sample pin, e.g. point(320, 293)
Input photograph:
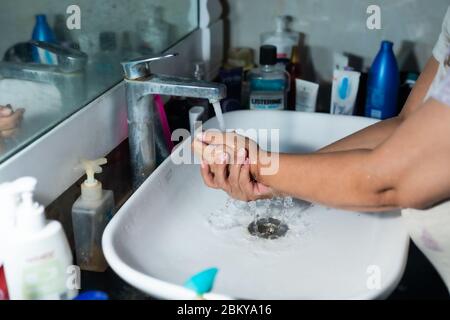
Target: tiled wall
point(340, 25)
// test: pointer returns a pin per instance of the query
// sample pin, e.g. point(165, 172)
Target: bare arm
point(409, 170)
point(333, 175)
point(374, 135)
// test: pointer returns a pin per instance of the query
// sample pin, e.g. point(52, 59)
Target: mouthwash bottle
point(268, 83)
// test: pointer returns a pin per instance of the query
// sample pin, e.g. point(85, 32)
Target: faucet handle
point(68, 60)
point(139, 68)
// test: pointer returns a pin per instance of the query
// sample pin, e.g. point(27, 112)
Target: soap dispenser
point(38, 255)
point(90, 214)
point(282, 38)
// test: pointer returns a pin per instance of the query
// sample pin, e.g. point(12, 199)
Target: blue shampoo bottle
point(42, 32)
point(383, 84)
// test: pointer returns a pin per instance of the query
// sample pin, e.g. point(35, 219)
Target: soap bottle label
point(44, 280)
point(375, 102)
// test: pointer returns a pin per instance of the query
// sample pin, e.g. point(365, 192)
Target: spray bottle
point(37, 255)
point(90, 214)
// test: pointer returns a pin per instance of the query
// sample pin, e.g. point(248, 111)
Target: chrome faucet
point(141, 85)
point(66, 73)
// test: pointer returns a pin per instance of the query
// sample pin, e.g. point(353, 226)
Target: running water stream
point(219, 115)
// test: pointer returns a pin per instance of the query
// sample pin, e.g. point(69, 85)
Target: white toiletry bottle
point(90, 214)
point(282, 38)
point(8, 207)
point(38, 256)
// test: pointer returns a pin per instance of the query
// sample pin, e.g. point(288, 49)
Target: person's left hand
point(9, 121)
point(230, 162)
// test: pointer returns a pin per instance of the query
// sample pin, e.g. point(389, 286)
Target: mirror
point(75, 57)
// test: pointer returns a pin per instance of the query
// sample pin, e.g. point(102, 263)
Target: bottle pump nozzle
point(282, 23)
point(30, 215)
point(91, 189)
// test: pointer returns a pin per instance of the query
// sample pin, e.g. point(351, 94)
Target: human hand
point(230, 162)
point(9, 120)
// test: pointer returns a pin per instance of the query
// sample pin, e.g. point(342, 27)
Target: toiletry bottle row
point(382, 86)
point(35, 257)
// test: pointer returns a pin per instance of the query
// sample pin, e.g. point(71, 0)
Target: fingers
point(6, 111)
point(229, 139)
point(8, 133)
point(219, 167)
point(235, 171)
point(203, 151)
point(246, 182)
point(208, 177)
point(12, 121)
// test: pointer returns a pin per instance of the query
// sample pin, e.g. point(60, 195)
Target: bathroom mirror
point(78, 58)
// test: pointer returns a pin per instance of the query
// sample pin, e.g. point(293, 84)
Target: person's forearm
point(344, 180)
point(376, 134)
point(368, 138)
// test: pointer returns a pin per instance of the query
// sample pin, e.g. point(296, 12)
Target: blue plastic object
point(344, 88)
point(202, 282)
point(383, 84)
point(42, 32)
point(92, 295)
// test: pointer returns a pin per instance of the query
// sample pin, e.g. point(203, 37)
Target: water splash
point(237, 214)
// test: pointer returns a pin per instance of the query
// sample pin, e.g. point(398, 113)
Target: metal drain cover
point(268, 228)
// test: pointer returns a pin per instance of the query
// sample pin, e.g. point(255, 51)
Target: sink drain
point(268, 228)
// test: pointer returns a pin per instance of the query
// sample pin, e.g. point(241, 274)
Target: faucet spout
point(141, 86)
point(179, 87)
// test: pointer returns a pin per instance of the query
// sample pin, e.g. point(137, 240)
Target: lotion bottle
point(8, 206)
point(38, 255)
point(90, 214)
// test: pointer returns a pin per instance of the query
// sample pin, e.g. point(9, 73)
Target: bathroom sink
point(164, 234)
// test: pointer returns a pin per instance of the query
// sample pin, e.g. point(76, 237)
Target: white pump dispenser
point(282, 38)
point(91, 189)
point(10, 193)
point(37, 255)
point(30, 215)
point(90, 215)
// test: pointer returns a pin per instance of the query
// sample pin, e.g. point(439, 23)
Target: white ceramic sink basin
point(163, 234)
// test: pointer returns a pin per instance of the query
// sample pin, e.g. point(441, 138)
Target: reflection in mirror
point(56, 57)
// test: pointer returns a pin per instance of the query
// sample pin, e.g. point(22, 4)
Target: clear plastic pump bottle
point(90, 215)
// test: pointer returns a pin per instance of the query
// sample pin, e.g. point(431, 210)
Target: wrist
point(260, 167)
